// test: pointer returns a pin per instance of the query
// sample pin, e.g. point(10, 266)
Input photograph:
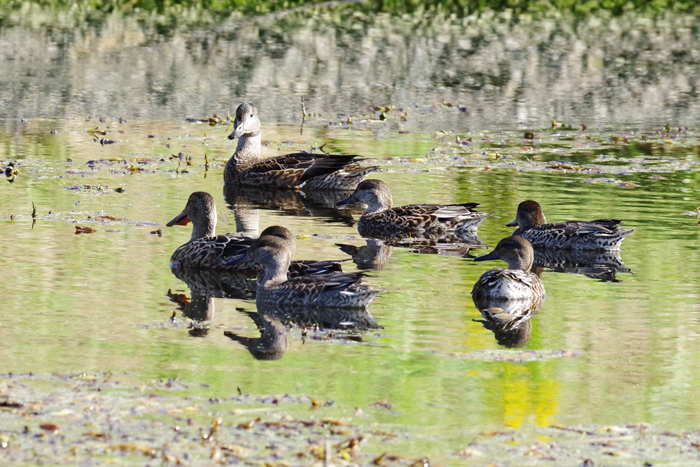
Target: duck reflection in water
point(273, 321)
point(602, 265)
point(271, 344)
point(245, 203)
point(199, 309)
point(509, 320)
point(375, 254)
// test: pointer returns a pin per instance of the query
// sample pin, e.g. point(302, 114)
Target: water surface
point(470, 93)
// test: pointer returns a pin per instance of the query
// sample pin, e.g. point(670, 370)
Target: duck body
point(601, 234)
point(381, 220)
point(208, 251)
point(508, 284)
point(246, 168)
point(339, 290)
point(213, 253)
point(514, 283)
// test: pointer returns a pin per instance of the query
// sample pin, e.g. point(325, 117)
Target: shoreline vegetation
point(199, 12)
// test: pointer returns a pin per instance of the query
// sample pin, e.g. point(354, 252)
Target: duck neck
point(382, 203)
point(205, 227)
point(247, 152)
point(274, 273)
point(522, 262)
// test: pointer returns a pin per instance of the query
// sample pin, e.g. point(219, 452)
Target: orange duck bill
point(180, 219)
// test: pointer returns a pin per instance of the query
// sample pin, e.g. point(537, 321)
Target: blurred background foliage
point(456, 8)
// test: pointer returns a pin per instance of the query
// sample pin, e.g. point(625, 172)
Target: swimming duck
point(206, 250)
point(381, 220)
point(602, 234)
point(312, 171)
point(341, 290)
point(514, 283)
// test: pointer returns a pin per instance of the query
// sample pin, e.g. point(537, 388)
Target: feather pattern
point(206, 250)
point(381, 220)
point(343, 290)
point(312, 171)
point(514, 283)
point(600, 234)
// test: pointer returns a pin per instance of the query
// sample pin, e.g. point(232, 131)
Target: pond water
point(471, 121)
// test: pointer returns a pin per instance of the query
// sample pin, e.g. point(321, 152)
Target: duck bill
point(488, 257)
point(512, 224)
point(348, 200)
point(239, 130)
point(180, 219)
point(242, 258)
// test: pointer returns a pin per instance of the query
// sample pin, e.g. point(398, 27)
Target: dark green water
point(99, 301)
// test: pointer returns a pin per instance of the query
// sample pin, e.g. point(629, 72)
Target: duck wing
point(567, 228)
point(310, 287)
point(212, 253)
point(299, 167)
point(313, 268)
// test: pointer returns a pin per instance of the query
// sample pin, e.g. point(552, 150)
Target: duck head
point(201, 211)
point(374, 193)
point(516, 251)
point(246, 122)
point(529, 215)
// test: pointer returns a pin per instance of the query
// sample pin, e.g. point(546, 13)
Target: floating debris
point(11, 172)
point(84, 230)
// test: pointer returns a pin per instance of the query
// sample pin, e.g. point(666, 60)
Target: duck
point(514, 283)
point(380, 220)
point(601, 234)
point(206, 250)
point(246, 168)
point(275, 287)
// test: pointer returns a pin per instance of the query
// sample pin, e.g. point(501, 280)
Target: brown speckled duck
point(380, 220)
point(514, 283)
point(603, 234)
point(339, 290)
point(312, 171)
point(206, 250)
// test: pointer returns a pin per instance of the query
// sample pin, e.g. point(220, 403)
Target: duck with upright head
point(514, 283)
point(206, 250)
point(602, 234)
point(340, 290)
point(246, 168)
point(381, 220)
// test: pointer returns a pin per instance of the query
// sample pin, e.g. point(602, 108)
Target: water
point(99, 301)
